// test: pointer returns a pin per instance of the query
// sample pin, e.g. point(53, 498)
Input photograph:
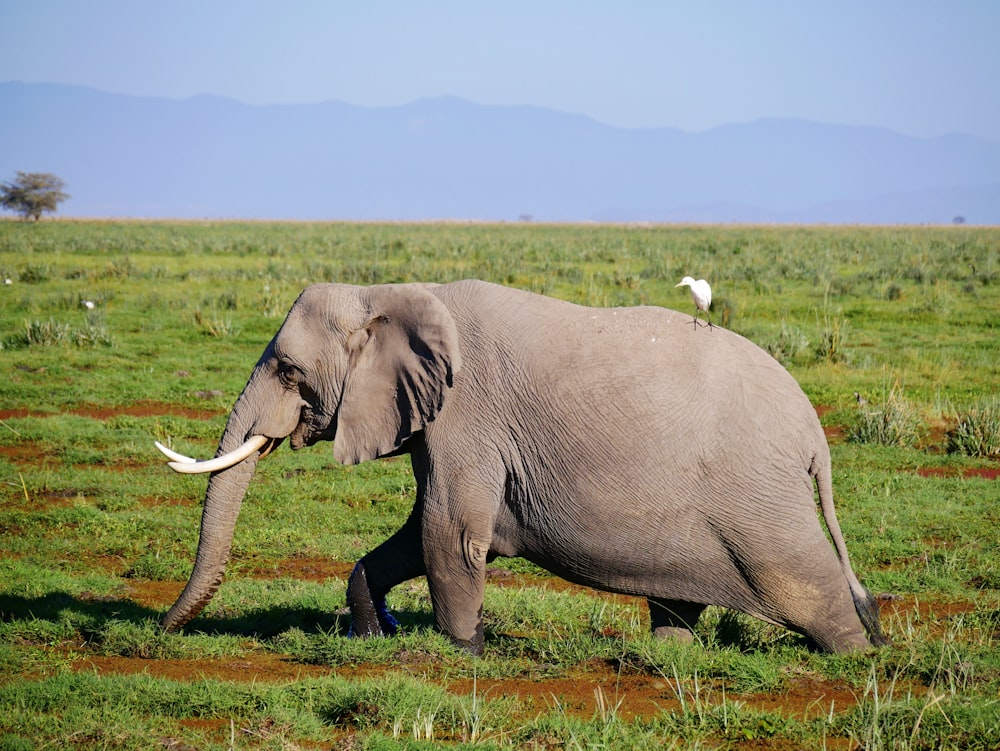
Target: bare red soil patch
point(146, 409)
point(833, 433)
point(260, 667)
point(936, 615)
point(596, 688)
point(154, 595)
point(139, 409)
point(926, 609)
point(306, 569)
point(14, 414)
point(581, 694)
point(987, 473)
point(27, 452)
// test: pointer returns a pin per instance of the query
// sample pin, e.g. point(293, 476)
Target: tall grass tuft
point(93, 334)
point(893, 422)
point(45, 333)
point(832, 344)
point(977, 430)
point(214, 325)
point(55, 333)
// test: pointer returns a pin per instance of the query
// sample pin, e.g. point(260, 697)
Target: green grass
point(97, 535)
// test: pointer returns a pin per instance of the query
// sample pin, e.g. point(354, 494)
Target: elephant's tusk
point(173, 455)
point(187, 466)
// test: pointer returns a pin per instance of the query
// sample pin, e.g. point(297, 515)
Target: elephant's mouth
point(314, 426)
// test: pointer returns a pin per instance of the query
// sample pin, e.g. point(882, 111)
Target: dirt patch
point(16, 414)
point(833, 433)
point(936, 615)
point(806, 698)
point(584, 694)
point(154, 595)
point(262, 667)
point(305, 569)
point(987, 473)
point(27, 452)
point(146, 409)
point(139, 409)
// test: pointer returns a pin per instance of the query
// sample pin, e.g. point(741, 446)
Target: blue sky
point(918, 67)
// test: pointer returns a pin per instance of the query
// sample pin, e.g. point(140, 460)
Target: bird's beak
point(679, 284)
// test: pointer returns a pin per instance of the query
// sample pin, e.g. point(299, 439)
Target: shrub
point(42, 334)
point(51, 332)
point(33, 274)
point(894, 422)
point(214, 325)
point(893, 292)
point(977, 431)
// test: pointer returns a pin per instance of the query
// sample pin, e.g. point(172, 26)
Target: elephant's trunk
point(223, 499)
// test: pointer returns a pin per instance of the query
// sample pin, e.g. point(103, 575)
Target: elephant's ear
point(401, 363)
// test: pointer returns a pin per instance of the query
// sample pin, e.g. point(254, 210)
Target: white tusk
point(186, 466)
point(173, 455)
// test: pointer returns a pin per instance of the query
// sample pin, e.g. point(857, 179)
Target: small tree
point(33, 193)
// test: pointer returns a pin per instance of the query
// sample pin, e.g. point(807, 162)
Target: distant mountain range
point(447, 158)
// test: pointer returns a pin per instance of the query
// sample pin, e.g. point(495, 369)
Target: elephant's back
point(620, 368)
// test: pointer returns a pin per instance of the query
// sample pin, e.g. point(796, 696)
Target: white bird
point(7, 281)
point(701, 294)
point(88, 304)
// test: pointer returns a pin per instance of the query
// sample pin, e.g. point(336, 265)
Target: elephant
point(618, 448)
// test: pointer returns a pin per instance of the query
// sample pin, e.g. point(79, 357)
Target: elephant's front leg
point(396, 560)
point(455, 556)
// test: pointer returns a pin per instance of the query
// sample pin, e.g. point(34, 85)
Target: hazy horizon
point(922, 69)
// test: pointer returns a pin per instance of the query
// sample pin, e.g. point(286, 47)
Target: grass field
point(97, 536)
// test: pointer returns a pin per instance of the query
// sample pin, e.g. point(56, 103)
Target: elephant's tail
point(864, 602)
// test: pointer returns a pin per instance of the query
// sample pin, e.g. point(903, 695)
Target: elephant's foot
point(674, 633)
point(673, 619)
point(369, 614)
point(842, 643)
point(473, 646)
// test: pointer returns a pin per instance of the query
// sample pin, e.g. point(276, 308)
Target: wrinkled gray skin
point(621, 449)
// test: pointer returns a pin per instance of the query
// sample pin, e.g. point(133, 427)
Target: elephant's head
point(365, 367)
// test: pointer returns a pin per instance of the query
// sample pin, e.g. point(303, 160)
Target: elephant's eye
point(288, 374)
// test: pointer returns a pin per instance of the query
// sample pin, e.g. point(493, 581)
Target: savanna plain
point(116, 334)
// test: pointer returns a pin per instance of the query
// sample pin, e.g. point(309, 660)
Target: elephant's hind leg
point(673, 619)
point(837, 630)
point(810, 595)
